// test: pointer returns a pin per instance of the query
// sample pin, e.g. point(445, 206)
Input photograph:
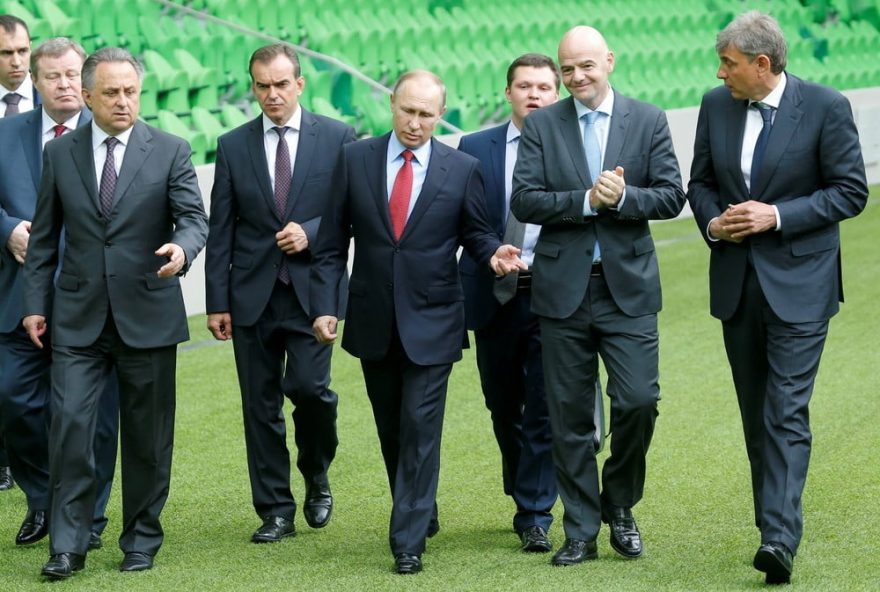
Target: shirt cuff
point(588, 210)
point(778, 219)
point(709, 234)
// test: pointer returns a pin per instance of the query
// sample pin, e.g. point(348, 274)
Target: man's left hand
point(748, 218)
point(176, 259)
point(506, 259)
point(609, 187)
point(292, 239)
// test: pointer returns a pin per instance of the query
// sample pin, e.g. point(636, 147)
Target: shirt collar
point(26, 89)
point(421, 154)
point(294, 123)
point(99, 135)
point(775, 96)
point(49, 123)
point(513, 132)
point(606, 106)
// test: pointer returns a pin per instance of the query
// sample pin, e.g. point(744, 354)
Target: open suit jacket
point(242, 258)
point(549, 184)
point(111, 263)
point(414, 282)
point(813, 173)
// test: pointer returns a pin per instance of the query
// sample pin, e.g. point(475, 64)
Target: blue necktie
point(594, 160)
point(766, 112)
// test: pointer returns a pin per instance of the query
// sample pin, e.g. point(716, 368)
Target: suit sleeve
point(218, 254)
point(42, 256)
point(704, 194)
point(310, 227)
point(7, 225)
point(662, 197)
point(476, 234)
point(187, 208)
point(844, 190)
point(330, 253)
point(530, 201)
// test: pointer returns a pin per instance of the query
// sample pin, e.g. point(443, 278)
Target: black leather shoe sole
point(773, 565)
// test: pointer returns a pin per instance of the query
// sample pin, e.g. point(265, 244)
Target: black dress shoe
point(534, 540)
point(35, 527)
point(625, 537)
point(775, 560)
point(433, 527)
point(575, 551)
point(136, 561)
point(274, 529)
point(6, 480)
point(95, 541)
point(404, 563)
point(318, 505)
point(63, 565)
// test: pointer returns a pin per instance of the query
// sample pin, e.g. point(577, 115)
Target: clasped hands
point(742, 220)
point(608, 189)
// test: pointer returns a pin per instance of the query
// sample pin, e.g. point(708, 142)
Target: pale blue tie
point(594, 159)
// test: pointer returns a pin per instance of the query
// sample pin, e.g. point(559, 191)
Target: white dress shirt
point(48, 127)
point(99, 148)
point(532, 230)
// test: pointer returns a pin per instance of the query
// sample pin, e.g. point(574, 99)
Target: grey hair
point(755, 33)
point(104, 55)
point(425, 74)
point(54, 48)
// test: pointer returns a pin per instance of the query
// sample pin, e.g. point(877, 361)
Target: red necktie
point(59, 129)
point(400, 194)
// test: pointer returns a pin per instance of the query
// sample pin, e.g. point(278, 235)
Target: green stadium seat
point(40, 30)
point(232, 116)
point(171, 123)
point(173, 84)
point(205, 122)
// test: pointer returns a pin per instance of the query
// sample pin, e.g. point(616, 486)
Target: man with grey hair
point(777, 165)
point(24, 369)
point(128, 199)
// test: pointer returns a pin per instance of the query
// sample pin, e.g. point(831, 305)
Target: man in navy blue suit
point(24, 369)
point(409, 202)
point(507, 333)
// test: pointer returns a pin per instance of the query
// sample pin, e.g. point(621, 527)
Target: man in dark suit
point(596, 283)
point(127, 197)
point(777, 165)
point(506, 332)
point(24, 369)
point(409, 202)
point(264, 221)
point(17, 92)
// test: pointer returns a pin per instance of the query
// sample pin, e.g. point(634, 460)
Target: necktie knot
point(407, 155)
point(591, 117)
point(111, 143)
point(765, 110)
point(280, 130)
point(12, 98)
point(59, 129)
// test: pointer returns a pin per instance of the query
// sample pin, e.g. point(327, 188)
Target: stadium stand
point(196, 52)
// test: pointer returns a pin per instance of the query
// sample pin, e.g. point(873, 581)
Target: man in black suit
point(409, 202)
point(127, 197)
point(596, 283)
point(506, 332)
point(17, 92)
point(777, 165)
point(24, 369)
point(271, 184)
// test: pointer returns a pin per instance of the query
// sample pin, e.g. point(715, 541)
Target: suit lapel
point(736, 125)
point(570, 130)
point(617, 131)
point(256, 147)
point(136, 153)
point(31, 143)
point(788, 118)
point(498, 152)
point(84, 158)
point(374, 173)
point(305, 150)
point(437, 170)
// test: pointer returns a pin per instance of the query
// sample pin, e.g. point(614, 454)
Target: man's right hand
point(220, 325)
point(325, 329)
point(35, 325)
point(17, 243)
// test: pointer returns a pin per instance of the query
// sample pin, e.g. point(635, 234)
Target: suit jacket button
point(396, 249)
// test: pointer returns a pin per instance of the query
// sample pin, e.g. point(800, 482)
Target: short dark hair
point(533, 60)
point(105, 55)
point(54, 48)
point(9, 23)
point(267, 53)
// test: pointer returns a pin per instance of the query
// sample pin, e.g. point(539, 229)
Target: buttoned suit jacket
point(812, 172)
point(550, 180)
point(242, 258)
point(413, 283)
point(109, 263)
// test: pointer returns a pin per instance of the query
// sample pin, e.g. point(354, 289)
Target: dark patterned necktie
point(283, 175)
point(12, 100)
point(108, 178)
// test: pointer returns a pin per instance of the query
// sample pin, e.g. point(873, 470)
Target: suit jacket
point(412, 284)
point(549, 185)
point(813, 173)
point(242, 258)
point(490, 148)
point(111, 262)
point(20, 168)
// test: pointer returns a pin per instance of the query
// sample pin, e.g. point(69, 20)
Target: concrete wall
point(682, 123)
